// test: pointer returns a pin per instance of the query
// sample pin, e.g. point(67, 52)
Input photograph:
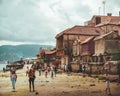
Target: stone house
point(74, 44)
point(45, 57)
point(108, 44)
point(66, 39)
point(107, 23)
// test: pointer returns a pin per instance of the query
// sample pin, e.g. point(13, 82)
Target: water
point(2, 65)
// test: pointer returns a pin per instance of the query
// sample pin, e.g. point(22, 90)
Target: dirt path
point(61, 85)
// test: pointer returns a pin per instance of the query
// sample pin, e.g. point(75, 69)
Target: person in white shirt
point(107, 67)
point(107, 86)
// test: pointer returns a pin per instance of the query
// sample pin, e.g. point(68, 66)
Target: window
point(98, 20)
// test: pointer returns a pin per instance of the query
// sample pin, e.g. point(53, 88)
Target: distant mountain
point(13, 53)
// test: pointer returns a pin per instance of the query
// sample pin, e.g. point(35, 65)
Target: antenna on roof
point(99, 10)
point(103, 2)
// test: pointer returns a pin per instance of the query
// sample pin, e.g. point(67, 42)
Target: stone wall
point(115, 67)
point(98, 68)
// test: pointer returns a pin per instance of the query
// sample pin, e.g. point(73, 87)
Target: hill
point(13, 53)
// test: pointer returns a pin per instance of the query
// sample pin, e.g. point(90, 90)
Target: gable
point(109, 36)
point(112, 36)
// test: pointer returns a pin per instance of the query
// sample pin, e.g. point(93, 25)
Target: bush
point(100, 77)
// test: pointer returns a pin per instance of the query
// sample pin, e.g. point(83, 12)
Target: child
point(108, 86)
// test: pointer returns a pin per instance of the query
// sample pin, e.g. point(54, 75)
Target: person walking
point(52, 71)
point(107, 66)
point(107, 86)
point(13, 77)
point(31, 75)
point(4, 70)
point(83, 68)
point(27, 70)
point(55, 70)
point(118, 72)
point(46, 72)
point(66, 68)
point(39, 70)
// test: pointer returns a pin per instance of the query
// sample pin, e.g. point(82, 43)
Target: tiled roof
point(82, 30)
point(112, 20)
point(61, 33)
point(88, 40)
point(104, 35)
point(115, 20)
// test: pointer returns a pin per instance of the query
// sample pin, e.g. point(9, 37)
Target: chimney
point(109, 14)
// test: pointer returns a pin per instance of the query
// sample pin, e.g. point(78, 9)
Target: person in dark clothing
point(31, 75)
point(118, 70)
point(4, 69)
point(83, 68)
point(39, 70)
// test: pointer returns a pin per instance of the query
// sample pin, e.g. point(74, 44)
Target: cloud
point(39, 21)
point(113, 6)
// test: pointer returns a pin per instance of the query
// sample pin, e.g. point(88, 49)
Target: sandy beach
point(61, 85)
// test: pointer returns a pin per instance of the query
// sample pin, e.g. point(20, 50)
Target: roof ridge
point(106, 16)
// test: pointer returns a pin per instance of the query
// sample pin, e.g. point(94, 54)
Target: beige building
point(108, 44)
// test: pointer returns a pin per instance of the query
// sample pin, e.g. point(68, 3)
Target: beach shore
point(61, 85)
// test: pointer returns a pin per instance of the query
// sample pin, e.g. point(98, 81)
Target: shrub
point(100, 77)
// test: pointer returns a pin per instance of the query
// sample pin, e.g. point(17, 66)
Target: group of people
point(52, 70)
point(30, 73)
point(48, 70)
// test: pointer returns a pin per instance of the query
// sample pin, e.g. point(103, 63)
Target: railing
point(97, 63)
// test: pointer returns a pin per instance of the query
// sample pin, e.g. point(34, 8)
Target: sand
point(61, 85)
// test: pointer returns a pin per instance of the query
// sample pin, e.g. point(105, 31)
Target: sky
point(39, 21)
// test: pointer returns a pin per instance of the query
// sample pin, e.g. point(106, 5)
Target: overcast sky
point(39, 21)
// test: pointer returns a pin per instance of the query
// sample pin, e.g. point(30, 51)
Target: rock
point(97, 91)
point(47, 81)
point(92, 85)
point(36, 93)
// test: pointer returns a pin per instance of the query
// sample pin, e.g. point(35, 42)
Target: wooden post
point(90, 72)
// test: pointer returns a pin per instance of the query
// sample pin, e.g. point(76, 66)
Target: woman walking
point(107, 66)
point(13, 77)
point(31, 75)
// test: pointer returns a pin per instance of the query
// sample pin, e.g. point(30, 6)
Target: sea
point(2, 65)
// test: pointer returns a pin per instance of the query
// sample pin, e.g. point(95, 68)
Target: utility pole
point(103, 7)
point(99, 10)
